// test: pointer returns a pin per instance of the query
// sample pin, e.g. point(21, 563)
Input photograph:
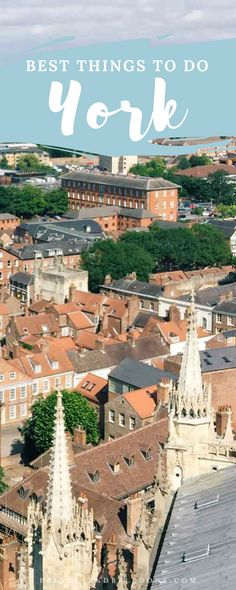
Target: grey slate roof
point(145, 348)
point(137, 182)
point(229, 333)
point(218, 359)
point(227, 226)
point(7, 216)
point(138, 287)
point(60, 230)
point(226, 307)
point(107, 210)
point(29, 252)
point(22, 277)
point(210, 296)
point(142, 318)
point(138, 374)
point(206, 536)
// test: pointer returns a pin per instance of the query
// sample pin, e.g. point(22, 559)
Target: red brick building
point(157, 195)
point(115, 220)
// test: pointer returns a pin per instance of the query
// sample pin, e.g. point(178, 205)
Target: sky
point(26, 23)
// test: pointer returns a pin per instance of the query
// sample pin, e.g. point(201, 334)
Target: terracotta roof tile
point(79, 320)
point(141, 401)
point(41, 324)
point(91, 384)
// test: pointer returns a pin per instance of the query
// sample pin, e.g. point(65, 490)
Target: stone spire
point(191, 398)
point(22, 582)
point(59, 508)
point(190, 378)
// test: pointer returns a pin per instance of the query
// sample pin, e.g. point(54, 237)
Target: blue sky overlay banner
point(116, 98)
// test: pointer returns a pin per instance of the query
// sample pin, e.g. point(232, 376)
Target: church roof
point(200, 541)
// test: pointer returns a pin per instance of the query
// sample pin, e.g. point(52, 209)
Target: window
point(146, 452)
point(172, 204)
point(12, 412)
point(151, 306)
point(23, 392)
point(204, 323)
point(12, 375)
point(94, 476)
point(111, 416)
point(115, 467)
point(23, 409)
point(218, 317)
point(130, 461)
point(46, 386)
point(12, 394)
point(122, 420)
point(141, 304)
point(68, 380)
point(132, 423)
point(35, 388)
point(164, 204)
point(8, 264)
point(1, 395)
point(1, 377)
point(230, 320)
point(57, 383)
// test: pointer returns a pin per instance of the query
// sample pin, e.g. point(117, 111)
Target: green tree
point(31, 163)
point(56, 202)
point(198, 210)
point(3, 485)
point(116, 259)
point(37, 431)
point(203, 160)
point(183, 163)
point(4, 163)
point(220, 189)
point(155, 168)
point(213, 248)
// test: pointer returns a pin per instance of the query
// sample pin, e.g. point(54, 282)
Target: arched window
point(204, 323)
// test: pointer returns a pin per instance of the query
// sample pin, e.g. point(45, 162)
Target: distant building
point(56, 282)
point(156, 195)
point(14, 151)
point(22, 286)
point(113, 219)
point(8, 221)
point(117, 164)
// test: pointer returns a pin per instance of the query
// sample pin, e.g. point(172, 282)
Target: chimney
point(222, 419)
point(131, 277)
point(44, 345)
point(163, 390)
point(174, 314)
point(100, 344)
point(133, 308)
point(108, 280)
point(134, 504)
point(229, 295)
point(222, 297)
point(80, 436)
point(72, 291)
point(131, 339)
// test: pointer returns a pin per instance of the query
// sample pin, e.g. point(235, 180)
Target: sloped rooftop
point(200, 541)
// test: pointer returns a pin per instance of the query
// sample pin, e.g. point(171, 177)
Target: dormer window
point(12, 375)
point(114, 466)
point(130, 461)
point(23, 492)
point(94, 476)
point(45, 328)
point(146, 452)
point(54, 364)
point(36, 367)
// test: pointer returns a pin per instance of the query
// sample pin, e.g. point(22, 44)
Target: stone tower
point(59, 546)
point(193, 446)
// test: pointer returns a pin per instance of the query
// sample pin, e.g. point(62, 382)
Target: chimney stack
point(80, 436)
